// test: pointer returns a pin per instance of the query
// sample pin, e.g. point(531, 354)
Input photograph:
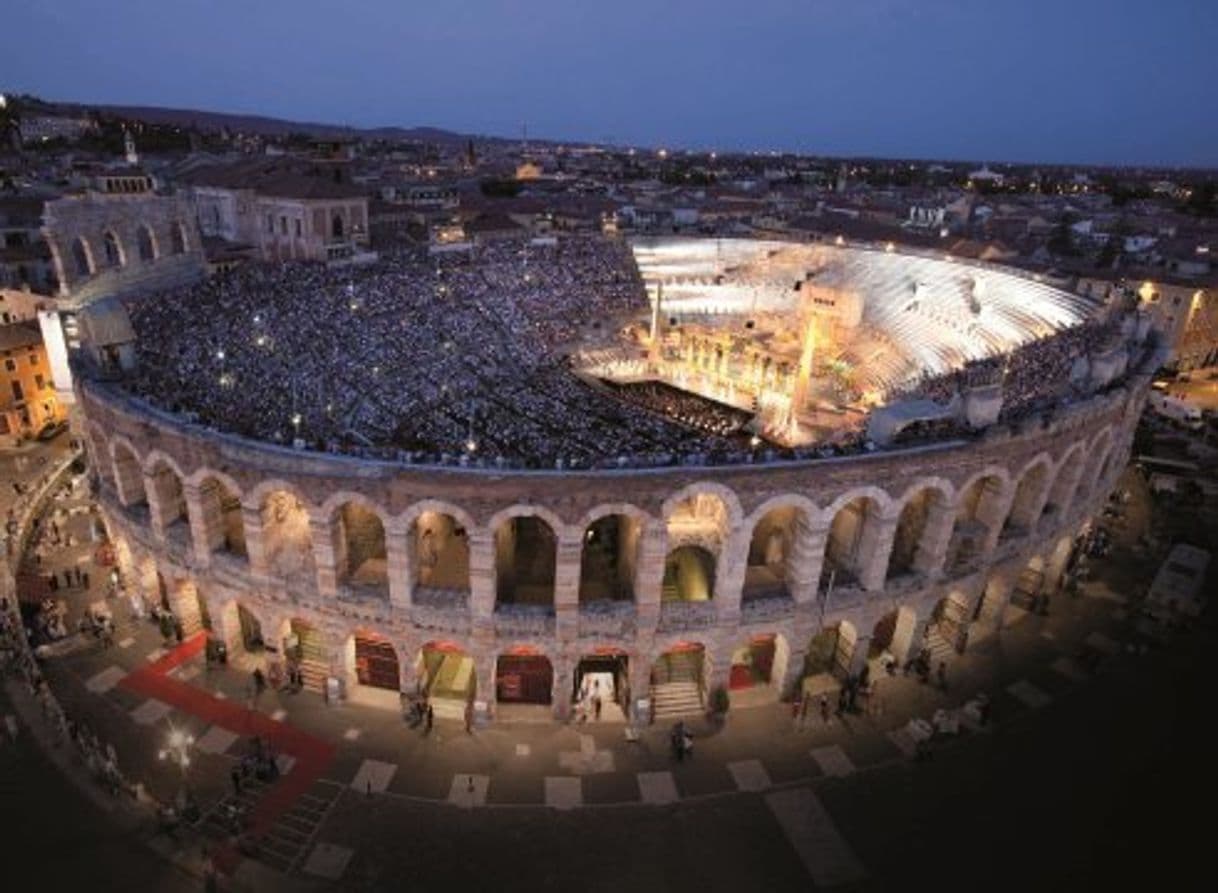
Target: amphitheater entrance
point(947, 633)
point(525, 561)
point(892, 639)
point(770, 550)
point(849, 544)
point(441, 550)
point(608, 559)
point(446, 678)
point(1028, 594)
point(977, 516)
point(907, 552)
point(678, 681)
point(1030, 499)
point(287, 540)
point(242, 630)
point(758, 669)
point(524, 683)
point(304, 646)
point(689, 575)
point(374, 677)
point(222, 518)
point(188, 608)
point(361, 556)
point(829, 657)
point(602, 676)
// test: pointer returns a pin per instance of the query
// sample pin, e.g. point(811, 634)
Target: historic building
point(27, 392)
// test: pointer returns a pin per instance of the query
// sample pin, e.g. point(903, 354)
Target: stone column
point(400, 568)
point(324, 557)
point(481, 577)
point(718, 669)
point(994, 600)
point(206, 529)
point(931, 551)
point(568, 553)
point(255, 540)
point(649, 577)
point(129, 482)
point(875, 546)
point(226, 624)
point(158, 506)
point(802, 634)
point(484, 681)
point(807, 559)
point(729, 576)
point(560, 687)
point(992, 511)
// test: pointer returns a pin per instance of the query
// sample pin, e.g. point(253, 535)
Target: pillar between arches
point(400, 569)
point(205, 531)
point(807, 559)
point(567, 555)
point(729, 577)
point(876, 544)
point(931, 552)
point(255, 541)
point(649, 577)
point(481, 576)
point(324, 558)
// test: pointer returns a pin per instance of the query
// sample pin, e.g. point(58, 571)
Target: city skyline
point(1084, 85)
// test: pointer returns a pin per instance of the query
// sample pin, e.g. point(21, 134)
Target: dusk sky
point(1102, 81)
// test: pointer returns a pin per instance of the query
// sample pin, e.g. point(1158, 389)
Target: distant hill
point(214, 121)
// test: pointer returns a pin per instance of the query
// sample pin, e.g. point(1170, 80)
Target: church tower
point(133, 157)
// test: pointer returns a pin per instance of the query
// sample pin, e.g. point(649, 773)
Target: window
point(147, 250)
point(18, 394)
point(40, 382)
point(177, 234)
point(270, 223)
point(80, 257)
point(33, 359)
point(114, 253)
point(283, 225)
point(10, 364)
point(298, 227)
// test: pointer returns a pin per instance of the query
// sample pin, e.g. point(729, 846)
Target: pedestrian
point(235, 775)
point(259, 681)
point(596, 706)
point(54, 583)
point(85, 579)
point(67, 578)
point(431, 717)
point(469, 718)
point(824, 708)
point(941, 675)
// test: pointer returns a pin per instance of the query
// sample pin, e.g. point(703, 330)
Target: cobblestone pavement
point(766, 803)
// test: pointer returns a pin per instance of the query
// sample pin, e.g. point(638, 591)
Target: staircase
point(676, 688)
point(314, 661)
point(940, 648)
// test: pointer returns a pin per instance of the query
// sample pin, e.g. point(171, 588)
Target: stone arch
point(831, 651)
point(610, 550)
point(703, 514)
point(306, 646)
point(83, 264)
point(894, 634)
point(178, 243)
point(921, 508)
point(445, 674)
point(1098, 450)
point(99, 454)
point(1031, 495)
point(852, 543)
point(189, 606)
point(145, 241)
point(759, 667)
point(438, 542)
point(373, 669)
point(678, 679)
point(242, 627)
point(689, 574)
point(981, 509)
point(360, 552)
point(524, 675)
point(1066, 482)
point(949, 623)
point(778, 527)
point(112, 247)
point(223, 521)
point(167, 497)
point(287, 541)
point(526, 556)
point(128, 476)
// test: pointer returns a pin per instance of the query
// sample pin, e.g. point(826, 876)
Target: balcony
point(679, 616)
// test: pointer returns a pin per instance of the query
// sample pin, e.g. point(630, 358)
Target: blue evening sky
point(1102, 81)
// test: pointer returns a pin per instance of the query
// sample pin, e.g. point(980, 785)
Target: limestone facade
point(870, 545)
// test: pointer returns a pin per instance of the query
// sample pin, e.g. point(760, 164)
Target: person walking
point(235, 775)
point(942, 675)
point(824, 708)
point(431, 718)
point(469, 718)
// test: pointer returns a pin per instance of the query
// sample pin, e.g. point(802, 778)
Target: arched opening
point(446, 677)
point(147, 248)
point(678, 680)
point(170, 499)
point(100, 458)
point(360, 555)
point(601, 686)
point(374, 677)
point(177, 238)
point(947, 633)
point(608, 559)
point(1027, 505)
point(978, 515)
point(82, 261)
point(304, 647)
point(525, 561)
point(702, 519)
point(113, 250)
point(828, 658)
point(908, 554)
point(689, 575)
point(1065, 485)
point(441, 551)
point(771, 553)
point(336, 226)
point(523, 675)
point(128, 477)
point(189, 609)
point(1029, 592)
point(988, 615)
point(892, 639)
point(850, 541)
point(242, 630)
point(223, 520)
point(758, 669)
point(286, 538)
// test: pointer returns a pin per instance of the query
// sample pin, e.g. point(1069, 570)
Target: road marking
point(1027, 693)
point(102, 682)
point(749, 775)
point(150, 712)
point(658, 788)
point(155, 655)
point(522, 750)
point(352, 734)
point(126, 643)
point(833, 760)
point(468, 791)
point(216, 740)
point(810, 830)
point(328, 860)
point(564, 792)
point(374, 776)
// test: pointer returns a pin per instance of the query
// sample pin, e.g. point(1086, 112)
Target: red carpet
point(313, 756)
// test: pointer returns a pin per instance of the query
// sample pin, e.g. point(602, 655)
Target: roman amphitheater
point(502, 530)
